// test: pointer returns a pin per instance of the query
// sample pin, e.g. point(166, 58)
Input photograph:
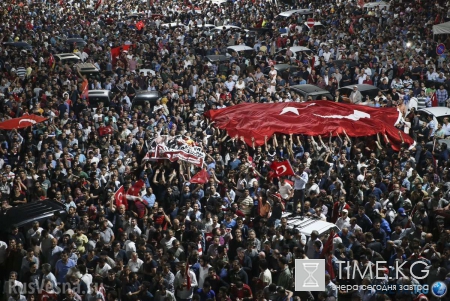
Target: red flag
point(115, 52)
point(105, 130)
point(200, 178)
point(140, 25)
point(310, 118)
point(270, 175)
point(289, 182)
point(135, 190)
point(97, 5)
point(51, 61)
point(282, 168)
point(437, 20)
point(327, 254)
point(434, 101)
point(188, 276)
point(351, 30)
point(22, 122)
point(85, 89)
point(119, 197)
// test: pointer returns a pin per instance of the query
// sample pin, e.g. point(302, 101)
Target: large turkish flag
point(21, 122)
point(309, 118)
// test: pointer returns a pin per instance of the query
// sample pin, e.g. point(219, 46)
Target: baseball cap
point(345, 211)
point(401, 211)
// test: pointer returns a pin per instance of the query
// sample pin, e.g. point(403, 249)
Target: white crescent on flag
point(355, 116)
point(27, 120)
point(282, 167)
point(294, 109)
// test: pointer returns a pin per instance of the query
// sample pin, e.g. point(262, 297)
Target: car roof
point(299, 48)
point(99, 92)
point(140, 93)
point(295, 11)
point(375, 4)
point(310, 89)
point(361, 87)
point(18, 44)
point(78, 40)
point(65, 55)
point(284, 66)
point(307, 225)
point(341, 62)
point(30, 212)
point(173, 24)
point(436, 111)
point(218, 58)
point(240, 48)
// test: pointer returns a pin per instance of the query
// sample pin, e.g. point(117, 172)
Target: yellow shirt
point(80, 241)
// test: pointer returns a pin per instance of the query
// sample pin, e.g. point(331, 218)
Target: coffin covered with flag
point(176, 148)
point(260, 120)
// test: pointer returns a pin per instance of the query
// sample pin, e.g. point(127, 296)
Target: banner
point(176, 148)
point(255, 121)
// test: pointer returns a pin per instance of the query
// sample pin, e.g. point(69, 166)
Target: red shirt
point(160, 220)
point(244, 292)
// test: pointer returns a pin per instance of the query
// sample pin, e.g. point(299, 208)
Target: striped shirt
point(21, 72)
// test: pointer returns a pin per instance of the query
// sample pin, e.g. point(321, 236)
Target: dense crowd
point(231, 232)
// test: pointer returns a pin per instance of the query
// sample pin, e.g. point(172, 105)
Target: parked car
point(241, 50)
point(366, 90)
point(144, 97)
point(25, 215)
point(99, 96)
point(438, 114)
point(284, 70)
point(89, 70)
point(298, 52)
point(306, 225)
point(306, 13)
point(79, 42)
point(20, 45)
point(67, 58)
point(223, 62)
point(315, 92)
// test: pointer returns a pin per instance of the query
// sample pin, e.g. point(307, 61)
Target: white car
point(289, 13)
point(240, 49)
point(438, 113)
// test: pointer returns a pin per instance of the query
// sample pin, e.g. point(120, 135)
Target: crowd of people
point(227, 239)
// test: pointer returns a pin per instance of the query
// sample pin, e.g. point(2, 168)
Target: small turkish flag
point(140, 25)
point(105, 130)
point(200, 178)
point(135, 190)
point(119, 197)
point(351, 30)
point(188, 276)
point(434, 101)
point(282, 168)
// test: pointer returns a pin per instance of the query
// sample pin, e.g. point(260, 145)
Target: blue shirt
point(62, 269)
point(205, 296)
point(230, 224)
point(149, 200)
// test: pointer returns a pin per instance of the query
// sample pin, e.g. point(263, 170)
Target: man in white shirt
point(135, 263)
point(300, 179)
point(230, 84)
point(285, 189)
point(343, 221)
point(133, 228)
